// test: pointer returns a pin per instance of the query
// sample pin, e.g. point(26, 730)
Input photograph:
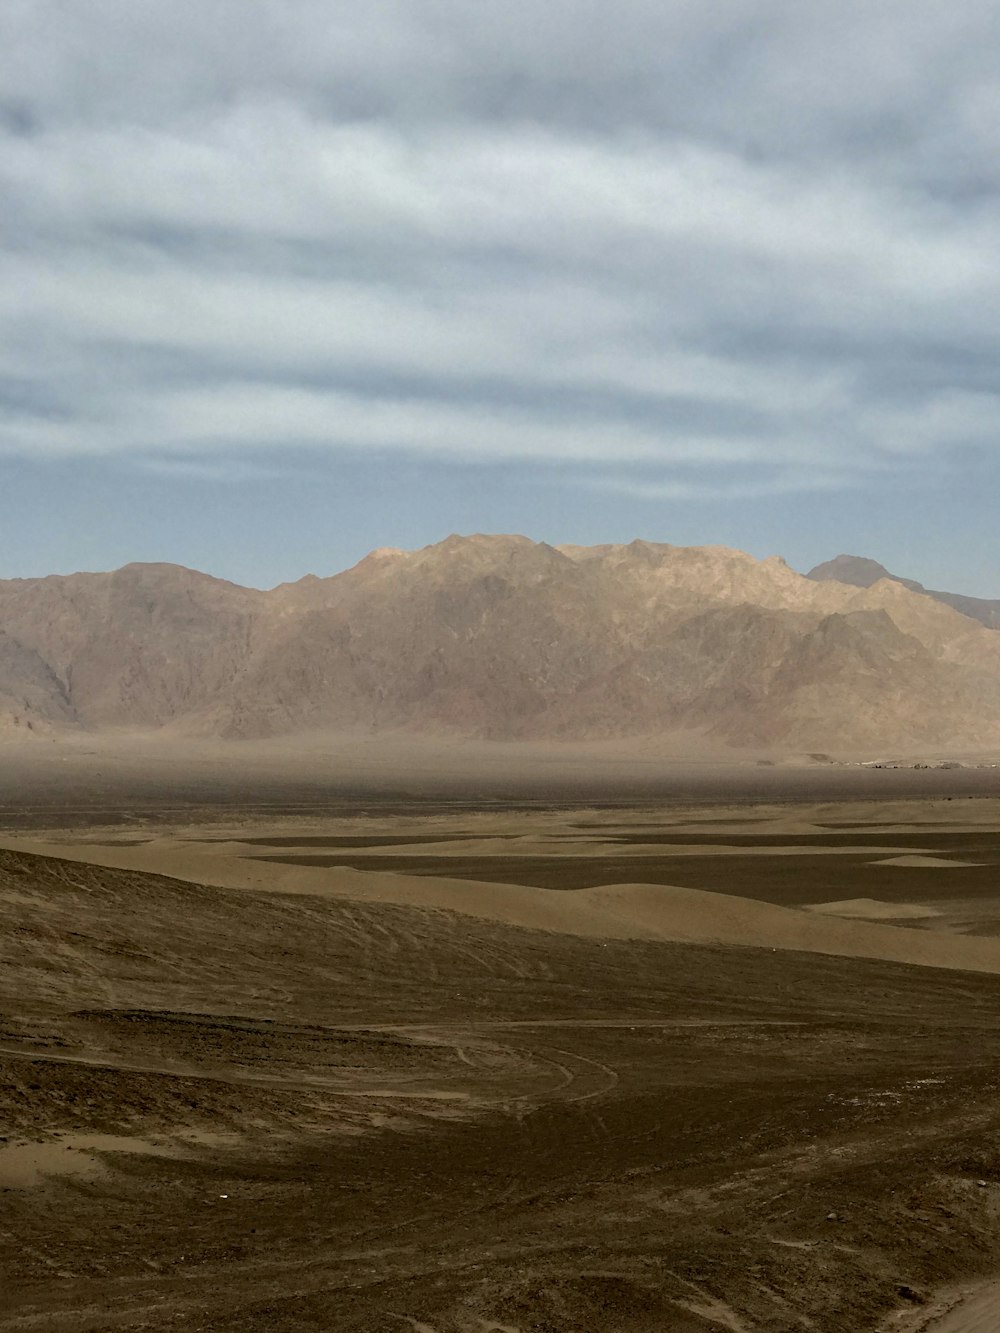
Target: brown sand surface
point(979, 1312)
point(974, 1309)
point(242, 1094)
point(740, 887)
point(869, 909)
point(916, 860)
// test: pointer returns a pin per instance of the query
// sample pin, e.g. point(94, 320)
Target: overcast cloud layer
point(672, 249)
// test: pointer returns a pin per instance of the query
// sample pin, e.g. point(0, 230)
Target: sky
point(285, 280)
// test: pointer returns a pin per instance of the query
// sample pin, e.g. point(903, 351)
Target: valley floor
point(423, 1069)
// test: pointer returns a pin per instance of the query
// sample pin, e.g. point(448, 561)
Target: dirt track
point(297, 1111)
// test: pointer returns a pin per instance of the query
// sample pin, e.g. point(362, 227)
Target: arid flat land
point(457, 1067)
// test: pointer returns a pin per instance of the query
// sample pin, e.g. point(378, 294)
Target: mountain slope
point(861, 572)
point(139, 647)
point(505, 638)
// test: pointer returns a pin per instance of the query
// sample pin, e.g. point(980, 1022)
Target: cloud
point(751, 246)
point(736, 484)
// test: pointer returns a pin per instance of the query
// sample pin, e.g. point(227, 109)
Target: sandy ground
point(480, 1093)
point(261, 854)
point(973, 1309)
point(979, 1312)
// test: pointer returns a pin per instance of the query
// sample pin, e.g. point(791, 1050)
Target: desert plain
point(722, 1054)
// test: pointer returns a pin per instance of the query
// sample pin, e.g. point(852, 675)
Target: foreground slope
point(504, 638)
point(279, 1112)
point(740, 889)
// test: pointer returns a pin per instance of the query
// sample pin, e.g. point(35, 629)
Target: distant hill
point(502, 637)
point(860, 572)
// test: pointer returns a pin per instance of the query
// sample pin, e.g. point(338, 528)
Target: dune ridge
point(613, 911)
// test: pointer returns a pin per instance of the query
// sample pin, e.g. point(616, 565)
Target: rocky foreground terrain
point(505, 638)
point(284, 1084)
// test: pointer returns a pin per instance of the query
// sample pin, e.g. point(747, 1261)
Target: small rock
point(832, 1217)
point(982, 1184)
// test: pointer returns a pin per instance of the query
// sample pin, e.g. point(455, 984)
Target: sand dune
point(871, 909)
point(916, 860)
point(614, 911)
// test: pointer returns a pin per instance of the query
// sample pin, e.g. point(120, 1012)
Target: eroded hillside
point(504, 638)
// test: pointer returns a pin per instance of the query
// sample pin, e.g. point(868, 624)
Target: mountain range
point(504, 638)
point(863, 573)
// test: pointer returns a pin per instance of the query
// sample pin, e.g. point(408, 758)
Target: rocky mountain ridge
point(861, 572)
point(502, 637)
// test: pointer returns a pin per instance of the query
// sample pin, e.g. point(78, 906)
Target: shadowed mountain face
point(860, 572)
point(504, 638)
